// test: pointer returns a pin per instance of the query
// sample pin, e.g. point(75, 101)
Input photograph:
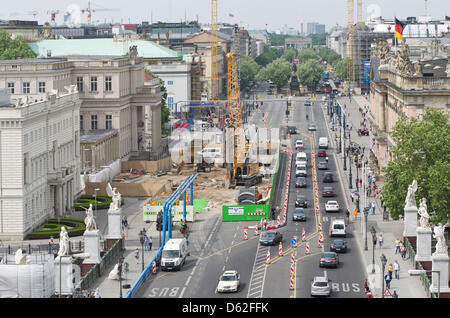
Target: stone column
point(64, 275)
point(410, 224)
point(114, 227)
point(423, 251)
point(440, 263)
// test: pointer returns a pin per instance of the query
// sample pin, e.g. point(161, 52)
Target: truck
point(174, 254)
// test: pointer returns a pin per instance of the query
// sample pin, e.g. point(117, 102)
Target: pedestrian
point(150, 242)
point(369, 294)
point(388, 279)
point(373, 207)
point(97, 293)
point(380, 240)
point(136, 255)
point(84, 294)
point(403, 251)
point(353, 197)
point(146, 243)
point(397, 246)
point(374, 241)
point(51, 240)
point(366, 286)
point(397, 270)
point(390, 269)
point(347, 214)
point(360, 182)
point(386, 216)
point(265, 224)
point(92, 294)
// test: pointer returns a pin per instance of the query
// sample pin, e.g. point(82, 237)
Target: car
point(229, 281)
point(329, 259)
point(321, 153)
point(269, 91)
point(300, 171)
point(301, 201)
point(328, 177)
point(271, 238)
point(338, 246)
point(292, 130)
point(307, 102)
point(332, 206)
point(328, 192)
point(299, 215)
point(301, 157)
point(322, 165)
point(337, 228)
point(321, 286)
point(312, 127)
point(300, 182)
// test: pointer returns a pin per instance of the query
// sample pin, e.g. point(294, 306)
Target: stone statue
point(114, 274)
point(418, 67)
point(441, 246)
point(410, 196)
point(382, 51)
point(116, 197)
point(424, 216)
point(89, 220)
point(133, 52)
point(403, 63)
point(20, 258)
point(63, 242)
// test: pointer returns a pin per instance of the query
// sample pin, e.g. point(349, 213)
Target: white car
point(228, 282)
point(332, 206)
point(300, 171)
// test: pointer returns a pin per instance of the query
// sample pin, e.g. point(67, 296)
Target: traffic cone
point(256, 229)
point(245, 234)
point(320, 226)
point(154, 267)
point(291, 285)
point(280, 249)
point(268, 256)
point(303, 234)
point(319, 243)
point(307, 249)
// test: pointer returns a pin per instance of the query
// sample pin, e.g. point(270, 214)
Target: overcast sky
point(252, 14)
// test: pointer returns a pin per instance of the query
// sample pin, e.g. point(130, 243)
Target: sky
point(251, 14)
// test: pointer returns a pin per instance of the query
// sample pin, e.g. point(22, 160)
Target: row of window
point(26, 87)
point(94, 122)
point(93, 84)
point(54, 129)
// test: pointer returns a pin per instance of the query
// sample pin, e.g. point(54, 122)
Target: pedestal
point(423, 243)
point(114, 224)
point(92, 247)
point(64, 275)
point(410, 222)
point(440, 263)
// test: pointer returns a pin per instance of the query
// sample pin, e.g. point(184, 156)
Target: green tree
point(341, 68)
point(277, 39)
point(290, 54)
point(268, 56)
point(421, 152)
point(11, 49)
point(310, 73)
point(248, 70)
point(329, 55)
point(319, 39)
point(307, 54)
point(279, 72)
point(165, 111)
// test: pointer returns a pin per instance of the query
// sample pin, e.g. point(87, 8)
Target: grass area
point(199, 205)
point(74, 227)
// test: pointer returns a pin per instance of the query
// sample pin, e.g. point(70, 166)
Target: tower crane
point(34, 13)
point(89, 10)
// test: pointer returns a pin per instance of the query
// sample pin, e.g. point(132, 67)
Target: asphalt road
point(217, 246)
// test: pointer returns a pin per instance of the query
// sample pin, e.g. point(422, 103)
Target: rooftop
point(95, 135)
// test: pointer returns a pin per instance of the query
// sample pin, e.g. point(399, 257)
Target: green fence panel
point(252, 212)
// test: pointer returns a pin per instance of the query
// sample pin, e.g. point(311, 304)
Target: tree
point(421, 152)
point(307, 54)
point(310, 73)
point(341, 68)
point(279, 72)
point(165, 111)
point(11, 49)
point(248, 70)
point(319, 39)
point(290, 54)
point(329, 55)
point(269, 55)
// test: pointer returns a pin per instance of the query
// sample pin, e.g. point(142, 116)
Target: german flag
point(399, 27)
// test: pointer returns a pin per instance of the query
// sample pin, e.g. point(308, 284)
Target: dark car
point(328, 177)
point(338, 246)
point(321, 153)
point(300, 182)
point(292, 130)
point(301, 202)
point(329, 259)
point(299, 215)
point(323, 165)
point(328, 192)
point(271, 238)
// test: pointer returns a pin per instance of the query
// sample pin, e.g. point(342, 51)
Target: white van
point(337, 228)
point(174, 254)
point(323, 143)
point(301, 158)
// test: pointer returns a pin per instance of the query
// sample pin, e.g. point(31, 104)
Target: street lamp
point(121, 259)
point(374, 241)
point(95, 197)
point(383, 262)
point(366, 213)
point(418, 272)
point(141, 239)
point(345, 154)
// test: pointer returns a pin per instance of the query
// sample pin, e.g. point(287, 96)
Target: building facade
point(298, 43)
point(39, 159)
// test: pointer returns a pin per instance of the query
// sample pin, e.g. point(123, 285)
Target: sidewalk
point(407, 286)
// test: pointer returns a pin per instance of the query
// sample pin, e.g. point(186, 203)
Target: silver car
point(321, 286)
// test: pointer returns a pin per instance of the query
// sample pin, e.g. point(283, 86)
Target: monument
point(63, 266)
point(114, 217)
point(423, 252)
point(91, 242)
point(410, 217)
point(440, 260)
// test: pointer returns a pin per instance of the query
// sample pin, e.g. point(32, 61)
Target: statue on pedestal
point(89, 220)
point(410, 196)
point(441, 246)
point(116, 197)
point(424, 216)
point(63, 242)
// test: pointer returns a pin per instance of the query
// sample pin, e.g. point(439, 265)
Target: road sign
point(387, 293)
point(294, 240)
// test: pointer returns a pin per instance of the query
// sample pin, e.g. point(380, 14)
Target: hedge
point(103, 202)
point(52, 228)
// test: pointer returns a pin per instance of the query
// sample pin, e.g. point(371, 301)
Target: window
point(94, 122)
point(11, 87)
point(170, 102)
point(108, 122)
point(41, 87)
point(108, 83)
point(81, 123)
point(26, 87)
point(169, 82)
point(80, 83)
point(93, 83)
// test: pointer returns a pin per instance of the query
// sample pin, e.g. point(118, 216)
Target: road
point(217, 246)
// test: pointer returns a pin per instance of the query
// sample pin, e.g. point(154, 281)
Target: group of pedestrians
point(90, 294)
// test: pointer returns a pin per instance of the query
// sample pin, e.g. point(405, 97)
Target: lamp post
point(121, 259)
point(141, 239)
point(374, 242)
point(383, 262)
point(418, 272)
point(366, 213)
point(95, 198)
point(340, 139)
point(345, 154)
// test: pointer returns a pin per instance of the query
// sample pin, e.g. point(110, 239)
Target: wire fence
point(49, 248)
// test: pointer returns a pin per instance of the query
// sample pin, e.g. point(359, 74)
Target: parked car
point(321, 286)
point(328, 192)
point(328, 177)
point(322, 165)
point(300, 182)
point(338, 246)
point(271, 238)
point(299, 215)
point(332, 206)
point(301, 202)
point(329, 259)
point(229, 281)
point(321, 153)
point(312, 127)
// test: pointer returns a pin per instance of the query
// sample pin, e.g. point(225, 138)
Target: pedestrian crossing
point(256, 285)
